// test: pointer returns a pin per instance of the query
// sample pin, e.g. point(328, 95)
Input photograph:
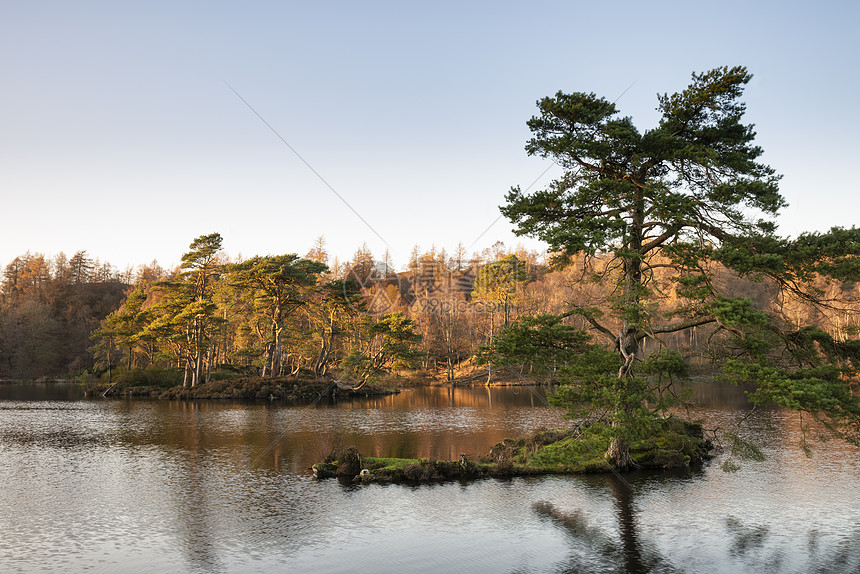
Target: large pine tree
point(680, 195)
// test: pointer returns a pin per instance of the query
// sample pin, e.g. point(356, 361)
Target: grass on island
point(675, 443)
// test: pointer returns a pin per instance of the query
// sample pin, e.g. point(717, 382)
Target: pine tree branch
point(660, 239)
point(687, 324)
point(592, 321)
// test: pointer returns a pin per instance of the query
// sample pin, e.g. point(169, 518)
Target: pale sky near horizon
point(119, 134)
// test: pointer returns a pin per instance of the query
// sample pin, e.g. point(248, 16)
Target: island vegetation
point(674, 443)
point(664, 264)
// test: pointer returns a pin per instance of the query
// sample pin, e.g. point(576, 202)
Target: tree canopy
point(678, 198)
point(281, 284)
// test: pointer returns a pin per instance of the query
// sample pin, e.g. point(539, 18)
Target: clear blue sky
point(119, 135)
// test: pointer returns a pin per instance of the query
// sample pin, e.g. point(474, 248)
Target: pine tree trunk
point(209, 360)
point(618, 454)
point(276, 351)
point(198, 358)
point(322, 356)
point(198, 368)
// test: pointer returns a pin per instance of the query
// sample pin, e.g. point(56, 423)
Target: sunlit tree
point(281, 285)
point(680, 195)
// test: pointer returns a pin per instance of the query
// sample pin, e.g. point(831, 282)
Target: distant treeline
point(275, 315)
point(49, 308)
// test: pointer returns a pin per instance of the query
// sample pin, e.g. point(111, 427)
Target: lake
point(114, 485)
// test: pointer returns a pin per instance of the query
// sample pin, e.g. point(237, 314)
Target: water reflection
point(10, 391)
point(621, 549)
point(150, 486)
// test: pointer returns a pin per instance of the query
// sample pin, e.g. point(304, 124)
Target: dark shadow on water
point(592, 549)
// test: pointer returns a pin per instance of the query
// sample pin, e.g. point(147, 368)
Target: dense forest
point(50, 307)
point(275, 315)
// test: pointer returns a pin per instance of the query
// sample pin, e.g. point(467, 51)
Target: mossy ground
point(675, 443)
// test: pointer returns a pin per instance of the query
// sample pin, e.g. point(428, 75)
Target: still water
point(153, 486)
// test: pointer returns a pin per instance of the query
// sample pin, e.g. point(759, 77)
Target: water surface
point(154, 486)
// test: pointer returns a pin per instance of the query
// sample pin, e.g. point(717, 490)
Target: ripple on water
point(224, 487)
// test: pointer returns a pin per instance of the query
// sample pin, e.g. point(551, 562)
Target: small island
point(166, 386)
point(675, 444)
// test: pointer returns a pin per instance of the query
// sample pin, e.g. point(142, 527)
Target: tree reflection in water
point(752, 547)
point(597, 550)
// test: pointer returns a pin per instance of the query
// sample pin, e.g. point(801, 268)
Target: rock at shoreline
point(349, 462)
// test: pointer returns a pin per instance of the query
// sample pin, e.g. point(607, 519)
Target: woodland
point(62, 317)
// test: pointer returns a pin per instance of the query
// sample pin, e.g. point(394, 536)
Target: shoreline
point(288, 388)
